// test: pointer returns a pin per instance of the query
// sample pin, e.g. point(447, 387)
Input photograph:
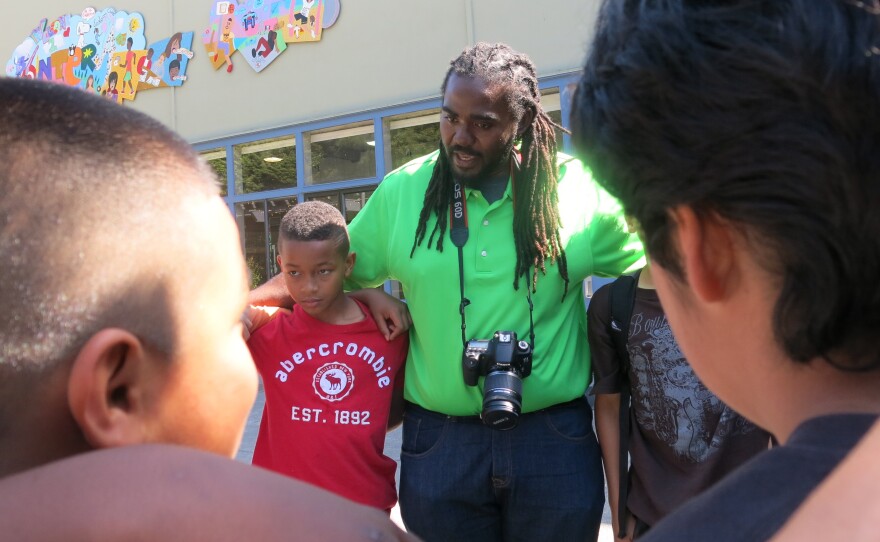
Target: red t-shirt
point(328, 397)
point(144, 64)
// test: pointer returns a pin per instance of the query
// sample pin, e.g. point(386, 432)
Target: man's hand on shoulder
point(391, 314)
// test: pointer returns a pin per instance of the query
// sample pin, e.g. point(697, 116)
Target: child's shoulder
point(372, 328)
point(260, 321)
point(601, 299)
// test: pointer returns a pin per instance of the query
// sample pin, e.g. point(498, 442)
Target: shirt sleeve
point(369, 236)
point(605, 360)
point(615, 250)
point(600, 228)
point(260, 315)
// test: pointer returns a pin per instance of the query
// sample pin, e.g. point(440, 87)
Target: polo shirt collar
point(508, 191)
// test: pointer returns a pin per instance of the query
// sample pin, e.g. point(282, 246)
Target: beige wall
point(379, 53)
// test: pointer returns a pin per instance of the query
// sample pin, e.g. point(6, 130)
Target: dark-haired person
point(111, 91)
point(144, 65)
point(537, 226)
point(681, 439)
point(129, 66)
point(101, 354)
point(333, 384)
point(744, 137)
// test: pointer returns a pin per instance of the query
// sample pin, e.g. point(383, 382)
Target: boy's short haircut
point(765, 115)
point(89, 191)
point(315, 221)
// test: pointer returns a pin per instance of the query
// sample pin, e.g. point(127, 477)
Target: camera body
point(504, 361)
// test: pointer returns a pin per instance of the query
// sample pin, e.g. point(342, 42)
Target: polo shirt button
point(483, 254)
point(485, 222)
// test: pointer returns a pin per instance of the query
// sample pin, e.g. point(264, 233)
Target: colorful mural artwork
point(102, 51)
point(262, 29)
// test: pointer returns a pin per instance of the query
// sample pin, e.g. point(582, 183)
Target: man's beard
point(487, 171)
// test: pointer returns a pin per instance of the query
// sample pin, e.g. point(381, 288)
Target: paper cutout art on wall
point(102, 51)
point(262, 29)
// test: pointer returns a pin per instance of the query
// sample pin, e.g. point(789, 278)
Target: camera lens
point(502, 399)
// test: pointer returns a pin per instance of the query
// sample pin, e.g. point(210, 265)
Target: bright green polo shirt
point(595, 240)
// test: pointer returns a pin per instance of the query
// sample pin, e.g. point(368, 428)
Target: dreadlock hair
point(536, 211)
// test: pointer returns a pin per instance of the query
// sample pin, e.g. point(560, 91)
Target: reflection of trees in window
point(556, 116)
point(342, 159)
point(251, 217)
point(413, 141)
point(218, 165)
point(256, 271)
point(259, 175)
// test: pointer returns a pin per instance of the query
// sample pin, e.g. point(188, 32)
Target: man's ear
point(349, 263)
point(525, 122)
point(707, 253)
point(107, 388)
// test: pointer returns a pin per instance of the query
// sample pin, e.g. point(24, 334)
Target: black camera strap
point(459, 235)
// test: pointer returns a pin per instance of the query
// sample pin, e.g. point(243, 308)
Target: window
point(349, 203)
point(551, 104)
point(265, 165)
point(340, 154)
point(353, 202)
point(329, 198)
point(251, 219)
point(411, 136)
point(276, 209)
point(216, 159)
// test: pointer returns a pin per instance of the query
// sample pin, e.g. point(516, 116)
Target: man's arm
point(614, 249)
point(271, 293)
point(391, 314)
point(181, 494)
point(606, 367)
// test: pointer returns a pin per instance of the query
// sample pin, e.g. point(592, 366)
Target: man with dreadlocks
point(532, 226)
point(537, 225)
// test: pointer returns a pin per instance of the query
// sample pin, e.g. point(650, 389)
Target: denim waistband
point(574, 403)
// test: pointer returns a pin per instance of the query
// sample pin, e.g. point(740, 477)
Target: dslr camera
point(504, 361)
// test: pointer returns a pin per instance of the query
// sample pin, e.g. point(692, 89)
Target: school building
point(329, 118)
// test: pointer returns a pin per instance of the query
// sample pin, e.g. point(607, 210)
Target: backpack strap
point(623, 298)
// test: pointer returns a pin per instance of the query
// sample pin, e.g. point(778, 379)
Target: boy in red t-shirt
point(332, 382)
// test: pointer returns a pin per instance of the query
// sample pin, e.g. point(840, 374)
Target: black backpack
point(623, 299)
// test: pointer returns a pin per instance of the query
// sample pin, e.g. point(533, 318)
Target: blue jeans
point(461, 480)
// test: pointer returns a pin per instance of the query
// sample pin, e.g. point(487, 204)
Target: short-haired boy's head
point(764, 115)
point(112, 233)
point(315, 221)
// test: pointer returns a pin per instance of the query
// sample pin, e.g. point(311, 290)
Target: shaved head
point(94, 219)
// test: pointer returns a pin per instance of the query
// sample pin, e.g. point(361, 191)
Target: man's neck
point(818, 389)
point(492, 187)
point(646, 279)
